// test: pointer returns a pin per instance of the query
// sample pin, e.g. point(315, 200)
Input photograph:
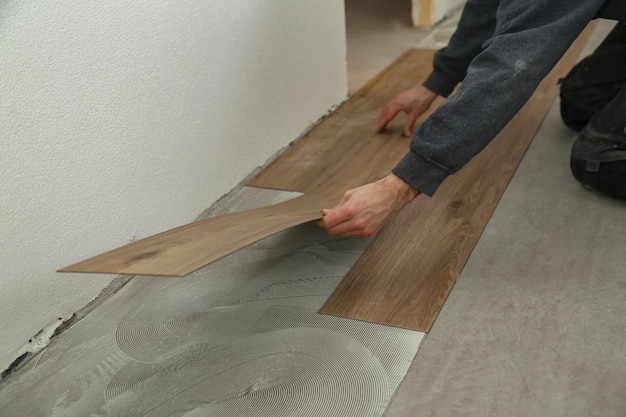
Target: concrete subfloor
point(239, 337)
point(535, 325)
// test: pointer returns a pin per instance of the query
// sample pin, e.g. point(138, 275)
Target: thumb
point(410, 123)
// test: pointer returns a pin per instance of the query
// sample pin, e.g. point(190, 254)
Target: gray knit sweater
point(501, 51)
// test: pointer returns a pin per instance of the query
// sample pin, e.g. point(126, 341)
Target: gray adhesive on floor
point(240, 337)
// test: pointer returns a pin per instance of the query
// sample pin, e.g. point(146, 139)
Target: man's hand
point(366, 210)
point(414, 102)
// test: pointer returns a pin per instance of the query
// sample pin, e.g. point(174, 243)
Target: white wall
point(122, 119)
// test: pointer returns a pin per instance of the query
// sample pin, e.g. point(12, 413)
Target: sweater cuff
point(421, 173)
point(439, 84)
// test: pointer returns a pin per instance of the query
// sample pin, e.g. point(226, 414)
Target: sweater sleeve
point(529, 39)
point(478, 21)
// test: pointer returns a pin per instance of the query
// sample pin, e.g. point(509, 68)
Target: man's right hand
point(414, 102)
point(365, 210)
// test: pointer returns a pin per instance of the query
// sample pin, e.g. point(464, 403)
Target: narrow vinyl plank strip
point(180, 251)
point(311, 165)
point(320, 156)
point(405, 275)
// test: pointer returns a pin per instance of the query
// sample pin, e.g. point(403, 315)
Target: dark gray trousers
point(593, 102)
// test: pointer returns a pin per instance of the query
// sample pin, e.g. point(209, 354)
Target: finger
point(410, 123)
point(350, 229)
point(320, 222)
point(332, 218)
point(343, 229)
point(389, 112)
point(340, 221)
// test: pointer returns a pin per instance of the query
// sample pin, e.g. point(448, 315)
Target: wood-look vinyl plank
point(405, 275)
point(343, 151)
point(180, 251)
point(321, 155)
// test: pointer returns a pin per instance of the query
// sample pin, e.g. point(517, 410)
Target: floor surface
point(240, 337)
point(535, 325)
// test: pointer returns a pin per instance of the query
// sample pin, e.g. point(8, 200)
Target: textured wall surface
point(119, 120)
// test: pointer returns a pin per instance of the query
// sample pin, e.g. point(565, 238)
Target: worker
point(593, 102)
point(501, 50)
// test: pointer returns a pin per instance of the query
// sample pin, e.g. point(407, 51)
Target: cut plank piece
point(346, 153)
point(182, 250)
point(405, 275)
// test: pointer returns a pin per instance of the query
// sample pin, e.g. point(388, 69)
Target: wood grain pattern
point(180, 251)
point(341, 152)
point(405, 275)
point(339, 144)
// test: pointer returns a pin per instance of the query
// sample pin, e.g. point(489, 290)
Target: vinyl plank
point(322, 155)
point(180, 251)
point(405, 275)
point(343, 151)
